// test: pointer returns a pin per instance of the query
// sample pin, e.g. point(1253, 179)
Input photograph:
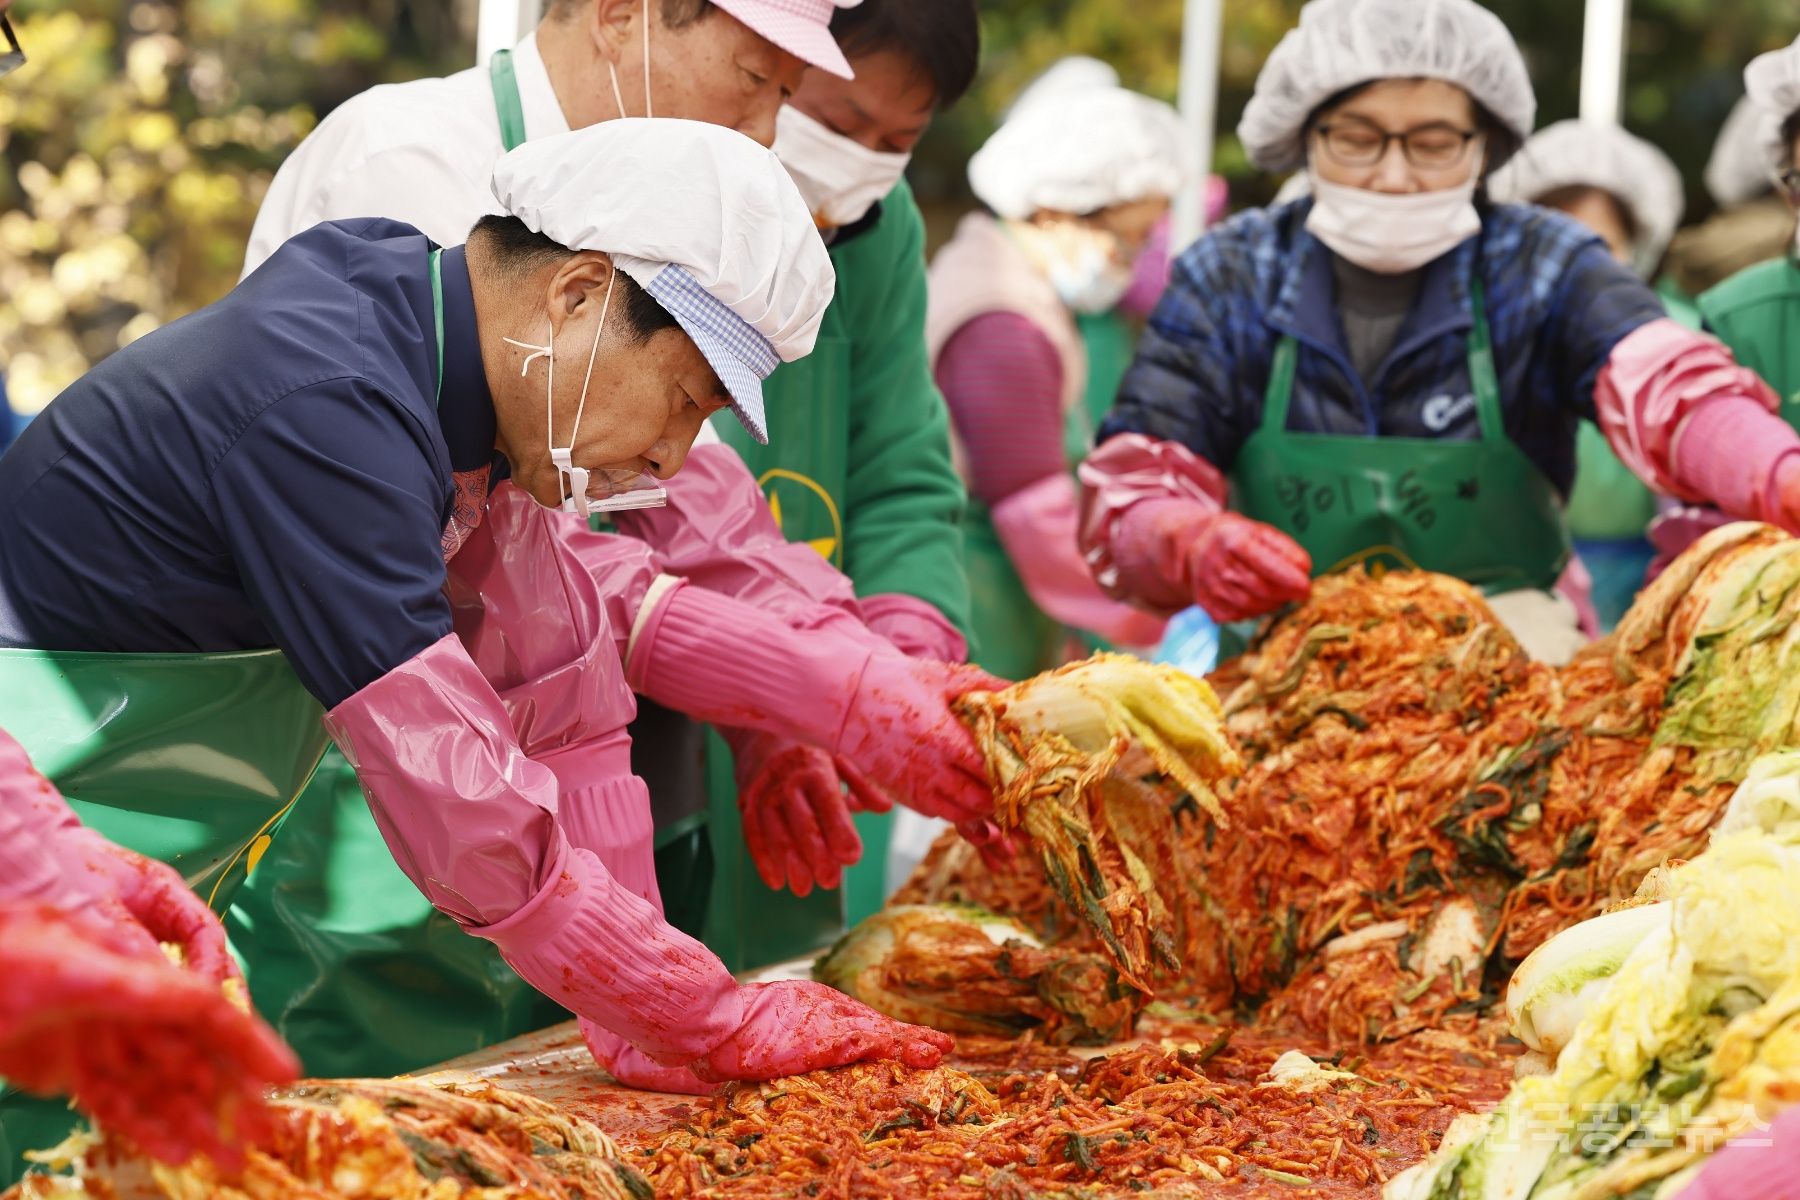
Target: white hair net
point(1735, 172)
point(1342, 43)
point(1065, 75)
point(1773, 81)
point(1081, 148)
point(1579, 154)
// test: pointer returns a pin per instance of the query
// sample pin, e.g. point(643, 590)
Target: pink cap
point(801, 27)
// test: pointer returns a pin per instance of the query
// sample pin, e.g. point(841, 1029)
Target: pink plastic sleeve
point(918, 629)
point(1038, 528)
point(1125, 539)
point(1657, 384)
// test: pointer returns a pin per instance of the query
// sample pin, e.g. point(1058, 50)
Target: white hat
point(1773, 81)
point(1579, 154)
point(1735, 172)
point(1340, 44)
point(1079, 149)
point(1073, 73)
point(801, 27)
point(704, 219)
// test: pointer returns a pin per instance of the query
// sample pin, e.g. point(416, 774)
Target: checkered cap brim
point(801, 27)
point(740, 356)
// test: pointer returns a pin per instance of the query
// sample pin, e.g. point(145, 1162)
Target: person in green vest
point(1756, 312)
point(866, 479)
point(1750, 222)
point(1391, 371)
point(1075, 180)
point(1629, 192)
point(332, 963)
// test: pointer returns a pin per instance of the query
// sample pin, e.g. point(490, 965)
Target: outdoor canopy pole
point(502, 23)
point(1202, 25)
point(1603, 60)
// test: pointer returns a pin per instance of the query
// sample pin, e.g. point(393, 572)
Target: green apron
point(344, 956)
point(1015, 639)
point(804, 473)
point(1479, 510)
point(192, 759)
point(1757, 314)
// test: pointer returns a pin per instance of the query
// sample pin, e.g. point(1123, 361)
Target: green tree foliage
point(140, 137)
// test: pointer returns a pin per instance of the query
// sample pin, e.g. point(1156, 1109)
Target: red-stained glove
point(901, 732)
point(156, 899)
point(155, 1054)
point(789, 1028)
point(796, 802)
point(796, 1026)
point(1233, 567)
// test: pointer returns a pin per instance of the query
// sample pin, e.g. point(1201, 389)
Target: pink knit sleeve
point(1003, 381)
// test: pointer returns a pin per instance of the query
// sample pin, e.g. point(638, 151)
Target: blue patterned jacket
point(1557, 304)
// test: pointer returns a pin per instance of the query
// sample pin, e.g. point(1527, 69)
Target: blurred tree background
point(141, 135)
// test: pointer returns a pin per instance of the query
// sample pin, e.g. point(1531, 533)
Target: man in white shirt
point(726, 62)
point(327, 972)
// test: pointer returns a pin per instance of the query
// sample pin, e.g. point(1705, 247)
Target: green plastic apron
point(192, 759)
point(1757, 314)
point(1479, 510)
point(345, 957)
point(805, 475)
point(1014, 638)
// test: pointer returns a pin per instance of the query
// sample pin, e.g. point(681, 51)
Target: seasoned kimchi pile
point(1422, 805)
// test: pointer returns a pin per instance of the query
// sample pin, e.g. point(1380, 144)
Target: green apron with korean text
point(1479, 510)
point(191, 759)
point(345, 957)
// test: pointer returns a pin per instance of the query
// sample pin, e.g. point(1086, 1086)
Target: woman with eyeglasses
point(1392, 369)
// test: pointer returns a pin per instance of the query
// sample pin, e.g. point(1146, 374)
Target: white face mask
point(586, 492)
point(618, 96)
point(839, 178)
point(1080, 262)
point(1391, 234)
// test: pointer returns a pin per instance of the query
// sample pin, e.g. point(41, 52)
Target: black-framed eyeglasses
point(1789, 183)
point(14, 58)
point(1353, 143)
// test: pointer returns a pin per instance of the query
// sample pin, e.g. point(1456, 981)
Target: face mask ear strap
point(619, 96)
point(537, 352)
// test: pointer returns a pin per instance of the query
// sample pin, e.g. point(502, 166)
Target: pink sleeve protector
point(1762, 1164)
point(1688, 420)
point(544, 608)
point(914, 626)
point(472, 822)
point(1131, 484)
point(722, 662)
point(717, 532)
point(1038, 527)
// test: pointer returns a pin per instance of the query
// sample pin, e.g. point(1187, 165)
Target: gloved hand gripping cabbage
point(1692, 1040)
point(1096, 763)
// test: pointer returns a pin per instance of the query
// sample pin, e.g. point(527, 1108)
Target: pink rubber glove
point(888, 714)
point(1690, 422)
point(789, 1028)
point(1233, 567)
point(1154, 531)
point(1756, 1166)
point(796, 802)
point(1038, 525)
point(797, 1026)
point(914, 626)
point(153, 1053)
point(128, 902)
